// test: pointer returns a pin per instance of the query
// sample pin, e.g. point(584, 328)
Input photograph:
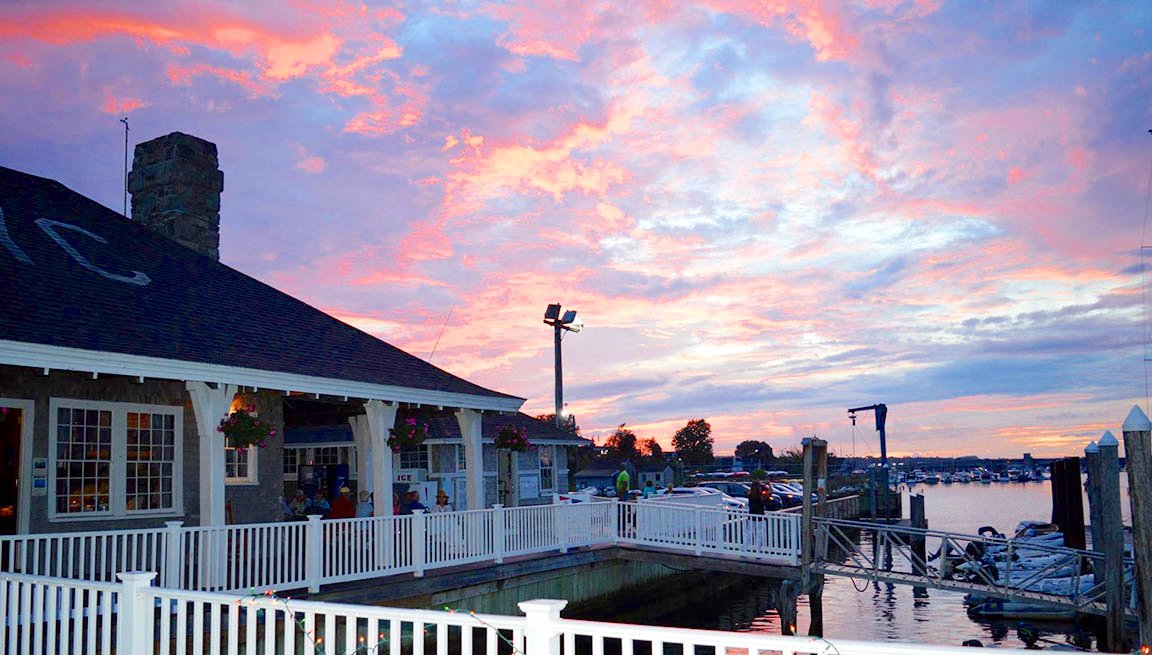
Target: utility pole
point(125, 121)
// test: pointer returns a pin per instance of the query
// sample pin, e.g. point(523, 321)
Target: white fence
point(42, 616)
point(308, 554)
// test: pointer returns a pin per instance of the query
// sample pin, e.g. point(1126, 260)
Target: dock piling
point(1113, 538)
point(1138, 453)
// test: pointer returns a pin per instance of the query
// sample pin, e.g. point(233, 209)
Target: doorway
point(506, 478)
point(13, 499)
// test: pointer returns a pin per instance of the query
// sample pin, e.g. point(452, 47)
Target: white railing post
point(794, 538)
point(498, 532)
point(698, 523)
point(419, 541)
point(542, 629)
point(314, 553)
point(134, 634)
point(173, 555)
point(618, 528)
point(560, 517)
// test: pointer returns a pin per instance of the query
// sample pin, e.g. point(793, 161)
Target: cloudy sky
point(765, 212)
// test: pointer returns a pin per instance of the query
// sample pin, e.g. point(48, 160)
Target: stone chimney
point(175, 185)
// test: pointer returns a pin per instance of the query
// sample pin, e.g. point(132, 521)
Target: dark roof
point(442, 424)
point(193, 308)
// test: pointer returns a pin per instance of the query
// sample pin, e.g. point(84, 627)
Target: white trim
point(24, 500)
point(117, 472)
point(20, 353)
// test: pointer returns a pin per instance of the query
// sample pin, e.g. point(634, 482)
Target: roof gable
point(79, 275)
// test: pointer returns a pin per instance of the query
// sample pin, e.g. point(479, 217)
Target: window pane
point(150, 464)
point(82, 465)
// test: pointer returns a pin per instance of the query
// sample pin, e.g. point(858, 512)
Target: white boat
point(931, 478)
point(963, 477)
point(947, 478)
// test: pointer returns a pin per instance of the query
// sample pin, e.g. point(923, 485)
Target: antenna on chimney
point(125, 121)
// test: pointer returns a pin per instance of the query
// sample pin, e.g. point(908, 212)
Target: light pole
point(560, 324)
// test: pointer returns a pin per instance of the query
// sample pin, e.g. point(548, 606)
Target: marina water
point(860, 610)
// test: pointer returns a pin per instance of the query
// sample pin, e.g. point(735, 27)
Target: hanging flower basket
point(243, 429)
point(407, 435)
point(514, 438)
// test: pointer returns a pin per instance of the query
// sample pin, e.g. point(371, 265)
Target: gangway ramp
point(995, 567)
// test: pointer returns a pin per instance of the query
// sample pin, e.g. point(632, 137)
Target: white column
point(362, 436)
point(380, 416)
point(210, 405)
point(470, 432)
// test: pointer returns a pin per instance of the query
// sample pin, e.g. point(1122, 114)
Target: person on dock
point(318, 504)
point(442, 504)
point(623, 483)
point(756, 497)
point(343, 507)
point(649, 490)
point(364, 508)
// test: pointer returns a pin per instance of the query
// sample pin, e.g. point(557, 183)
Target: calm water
point(887, 612)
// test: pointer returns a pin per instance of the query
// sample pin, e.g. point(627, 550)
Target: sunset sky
point(765, 212)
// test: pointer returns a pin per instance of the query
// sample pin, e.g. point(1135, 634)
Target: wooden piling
point(1068, 501)
point(1092, 464)
point(1113, 542)
point(919, 547)
point(1138, 453)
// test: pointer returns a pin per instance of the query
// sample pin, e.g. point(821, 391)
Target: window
point(291, 461)
point(240, 465)
point(547, 470)
point(461, 460)
point(114, 459)
point(326, 456)
point(416, 458)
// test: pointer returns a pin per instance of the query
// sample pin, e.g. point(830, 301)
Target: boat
point(985, 477)
point(994, 476)
point(963, 477)
point(1019, 609)
point(931, 478)
point(947, 478)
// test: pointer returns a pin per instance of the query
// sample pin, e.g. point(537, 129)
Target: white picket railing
point(308, 554)
point(772, 537)
point(39, 616)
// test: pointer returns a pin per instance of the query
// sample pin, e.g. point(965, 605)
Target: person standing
point(649, 490)
point(442, 504)
point(343, 507)
point(623, 483)
point(756, 497)
point(364, 507)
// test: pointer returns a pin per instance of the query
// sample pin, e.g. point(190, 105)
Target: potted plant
point(243, 429)
point(512, 437)
point(407, 435)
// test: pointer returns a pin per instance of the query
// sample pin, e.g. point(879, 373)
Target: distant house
point(660, 474)
point(601, 473)
point(124, 342)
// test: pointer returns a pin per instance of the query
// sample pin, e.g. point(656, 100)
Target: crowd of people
point(300, 506)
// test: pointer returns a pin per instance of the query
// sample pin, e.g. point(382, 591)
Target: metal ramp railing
point(995, 567)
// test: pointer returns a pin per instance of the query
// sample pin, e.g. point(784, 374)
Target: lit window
point(114, 459)
point(547, 471)
point(326, 456)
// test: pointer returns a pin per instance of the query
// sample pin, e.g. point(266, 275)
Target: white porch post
point(210, 405)
point(380, 416)
point(362, 436)
point(469, 420)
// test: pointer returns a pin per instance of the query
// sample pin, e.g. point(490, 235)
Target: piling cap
point(1137, 421)
point(1108, 441)
point(1091, 448)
